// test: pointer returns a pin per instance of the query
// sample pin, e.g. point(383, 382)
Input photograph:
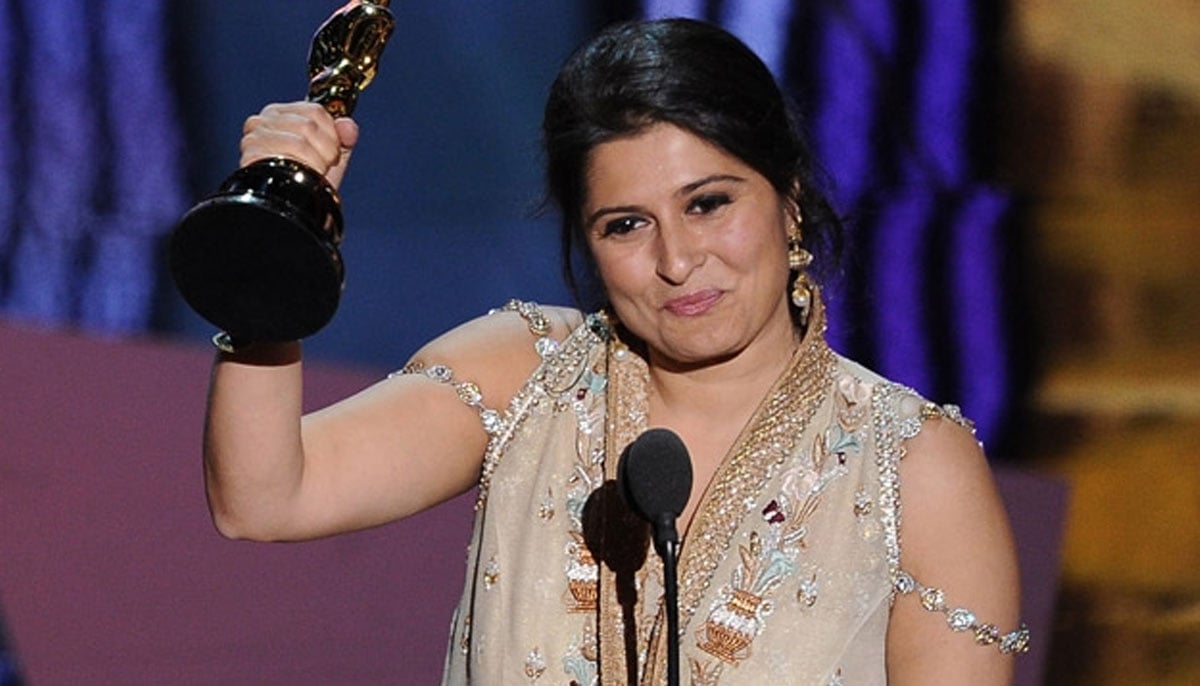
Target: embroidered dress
point(788, 569)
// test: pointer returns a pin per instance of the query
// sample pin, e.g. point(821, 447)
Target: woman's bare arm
point(397, 447)
point(955, 538)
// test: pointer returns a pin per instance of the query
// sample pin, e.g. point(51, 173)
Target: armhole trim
point(899, 414)
point(888, 451)
point(895, 424)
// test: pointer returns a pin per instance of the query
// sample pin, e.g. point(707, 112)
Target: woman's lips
point(693, 304)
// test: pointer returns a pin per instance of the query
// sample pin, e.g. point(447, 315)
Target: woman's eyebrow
point(683, 190)
point(699, 183)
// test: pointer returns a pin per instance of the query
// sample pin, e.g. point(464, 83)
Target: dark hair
point(695, 76)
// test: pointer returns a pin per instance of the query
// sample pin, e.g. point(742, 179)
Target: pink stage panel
point(111, 573)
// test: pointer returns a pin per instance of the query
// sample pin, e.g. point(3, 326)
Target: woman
point(678, 171)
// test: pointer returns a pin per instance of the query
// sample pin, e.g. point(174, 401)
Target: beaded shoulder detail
point(468, 392)
point(563, 364)
point(900, 413)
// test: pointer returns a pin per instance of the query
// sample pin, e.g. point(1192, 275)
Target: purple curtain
point(90, 173)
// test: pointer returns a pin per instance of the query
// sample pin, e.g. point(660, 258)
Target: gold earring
point(799, 260)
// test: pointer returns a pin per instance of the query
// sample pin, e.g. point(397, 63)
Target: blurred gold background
point(1102, 134)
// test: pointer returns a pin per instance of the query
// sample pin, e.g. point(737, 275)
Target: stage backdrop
point(125, 112)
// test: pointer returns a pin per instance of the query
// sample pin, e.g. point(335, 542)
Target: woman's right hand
point(301, 131)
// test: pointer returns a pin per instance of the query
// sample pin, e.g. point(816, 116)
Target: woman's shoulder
point(903, 412)
point(505, 329)
point(957, 562)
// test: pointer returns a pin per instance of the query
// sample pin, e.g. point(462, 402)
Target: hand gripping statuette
point(259, 258)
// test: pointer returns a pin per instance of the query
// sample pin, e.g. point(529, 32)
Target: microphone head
point(655, 473)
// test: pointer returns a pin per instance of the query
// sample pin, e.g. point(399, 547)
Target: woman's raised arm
point(397, 447)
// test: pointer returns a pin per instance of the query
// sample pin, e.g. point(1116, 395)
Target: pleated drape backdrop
point(89, 170)
point(90, 176)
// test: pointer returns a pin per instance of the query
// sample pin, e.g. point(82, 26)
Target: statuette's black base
point(259, 259)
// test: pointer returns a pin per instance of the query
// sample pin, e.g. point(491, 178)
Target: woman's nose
point(679, 252)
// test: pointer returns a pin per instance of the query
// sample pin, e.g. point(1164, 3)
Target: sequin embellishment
point(491, 574)
point(535, 664)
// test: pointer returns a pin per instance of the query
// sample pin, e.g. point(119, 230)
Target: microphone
point(655, 476)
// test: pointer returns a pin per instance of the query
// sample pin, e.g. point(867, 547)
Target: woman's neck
point(722, 388)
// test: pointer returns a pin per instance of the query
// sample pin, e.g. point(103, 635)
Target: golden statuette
point(259, 258)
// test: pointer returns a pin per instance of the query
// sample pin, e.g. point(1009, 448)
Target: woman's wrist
point(257, 352)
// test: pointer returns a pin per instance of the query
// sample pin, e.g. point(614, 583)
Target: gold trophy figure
point(259, 258)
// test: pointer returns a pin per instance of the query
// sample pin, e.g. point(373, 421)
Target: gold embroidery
point(740, 613)
point(706, 674)
point(627, 403)
point(730, 628)
point(581, 576)
point(768, 442)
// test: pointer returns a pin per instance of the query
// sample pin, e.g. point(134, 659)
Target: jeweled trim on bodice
point(560, 369)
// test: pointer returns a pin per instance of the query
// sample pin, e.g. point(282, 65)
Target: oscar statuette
point(259, 258)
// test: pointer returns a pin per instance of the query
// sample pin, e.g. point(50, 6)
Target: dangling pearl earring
point(799, 260)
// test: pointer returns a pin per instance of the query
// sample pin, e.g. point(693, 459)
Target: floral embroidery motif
point(706, 674)
point(739, 613)
point(559, 371)
point(582, 572)
point(535, 664)
point(767, 445)
point(580, 661)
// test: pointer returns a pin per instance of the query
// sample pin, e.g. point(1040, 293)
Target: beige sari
point(789, 567)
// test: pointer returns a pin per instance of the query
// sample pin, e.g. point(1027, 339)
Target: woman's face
point(691, 245)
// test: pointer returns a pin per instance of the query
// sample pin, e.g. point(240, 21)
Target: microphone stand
point(666, 542)
point(670, 556)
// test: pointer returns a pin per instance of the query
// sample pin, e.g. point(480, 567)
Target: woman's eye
point(621, 226)
point(707, 203)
